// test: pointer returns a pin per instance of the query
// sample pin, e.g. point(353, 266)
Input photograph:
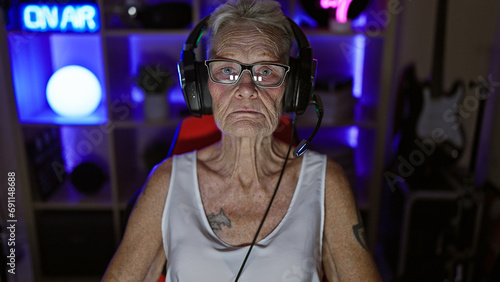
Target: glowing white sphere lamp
point(73, 92)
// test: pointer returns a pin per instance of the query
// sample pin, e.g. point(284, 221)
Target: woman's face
point(243, 109)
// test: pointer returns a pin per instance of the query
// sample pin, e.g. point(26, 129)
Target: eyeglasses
point(266, 75)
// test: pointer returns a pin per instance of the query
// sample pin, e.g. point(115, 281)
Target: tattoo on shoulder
point(217, 220)
point(359, 232)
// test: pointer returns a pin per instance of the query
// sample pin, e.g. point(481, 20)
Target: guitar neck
point(439, 44)
point(482, 89)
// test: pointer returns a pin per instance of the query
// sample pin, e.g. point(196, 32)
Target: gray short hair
point(259, 13)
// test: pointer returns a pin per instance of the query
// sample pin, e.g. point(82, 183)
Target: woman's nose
point(246, 85)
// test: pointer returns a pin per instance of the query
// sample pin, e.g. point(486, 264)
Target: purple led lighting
point(352, 136)
point(358, 66)
point(342, 8)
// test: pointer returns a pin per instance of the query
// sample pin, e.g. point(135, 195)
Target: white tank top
point(291, 252)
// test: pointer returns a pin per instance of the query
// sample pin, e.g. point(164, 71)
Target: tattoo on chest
point(217, 220)
point(359, 232)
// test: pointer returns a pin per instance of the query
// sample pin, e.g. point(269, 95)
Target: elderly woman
point(200, 211)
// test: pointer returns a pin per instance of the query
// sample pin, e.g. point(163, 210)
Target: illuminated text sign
point(60, 18)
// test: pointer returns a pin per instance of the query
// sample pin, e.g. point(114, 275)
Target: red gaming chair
point(196, 133)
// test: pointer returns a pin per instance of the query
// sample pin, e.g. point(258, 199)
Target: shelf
point(146, 123)
point(333, 126)
point(116, 32)
point(139, 32)
point(66, 197)
point(47, 117)
point(132, 115)
point(341, 32)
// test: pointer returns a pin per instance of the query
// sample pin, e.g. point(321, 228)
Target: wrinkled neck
point(249, 160)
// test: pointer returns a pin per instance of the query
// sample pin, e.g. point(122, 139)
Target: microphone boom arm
point(304, 144)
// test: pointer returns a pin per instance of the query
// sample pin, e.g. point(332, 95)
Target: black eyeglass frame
point(249, 68)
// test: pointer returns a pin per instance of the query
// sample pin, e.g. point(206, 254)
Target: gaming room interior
point(91, 102)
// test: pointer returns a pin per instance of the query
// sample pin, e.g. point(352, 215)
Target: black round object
point(165, 15)
point(314, 10)
point(87, 178)
point(356, 8)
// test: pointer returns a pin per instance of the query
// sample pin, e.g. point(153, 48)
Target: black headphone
point(193, 74)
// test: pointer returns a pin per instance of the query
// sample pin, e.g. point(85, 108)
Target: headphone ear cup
point(289, 98)
point(304, 86)
point(299, 87)
point(194, 82)
point(188, 79)
point(192, 73)
point(202, 82)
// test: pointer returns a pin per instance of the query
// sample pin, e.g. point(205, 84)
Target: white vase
point(155, 106)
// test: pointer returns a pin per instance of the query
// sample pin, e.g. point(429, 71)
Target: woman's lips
point(247, 111)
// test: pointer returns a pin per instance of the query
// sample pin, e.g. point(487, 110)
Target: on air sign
point(60, 18)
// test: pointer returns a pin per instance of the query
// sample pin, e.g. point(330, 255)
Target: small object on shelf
point(155, 80)
point(162, 15)
point(155, 106)
point(87, 178)
point(338, 102)
point(341, 101)
point(74, 91)
point(46, 163)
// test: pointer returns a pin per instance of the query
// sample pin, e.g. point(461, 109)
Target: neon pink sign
point(342, 8)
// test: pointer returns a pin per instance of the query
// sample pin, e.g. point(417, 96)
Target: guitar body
point(428, 132)
point(438, 123)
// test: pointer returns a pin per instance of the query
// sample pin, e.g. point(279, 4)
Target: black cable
point(270, 202)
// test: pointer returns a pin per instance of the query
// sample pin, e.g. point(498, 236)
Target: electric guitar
point(439, 112)
point(426, 116)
